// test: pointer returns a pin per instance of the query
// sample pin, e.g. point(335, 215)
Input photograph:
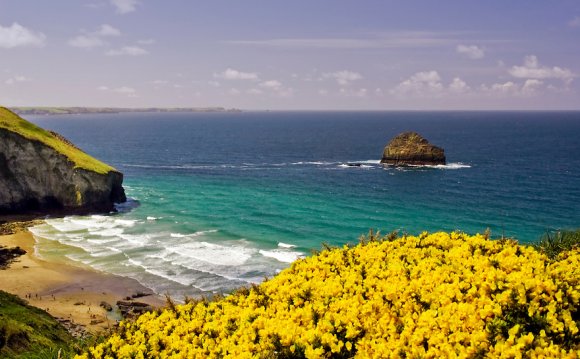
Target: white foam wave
point(453, 166)
point(213, 253)
point(449, 166)
point(195, 234)
point(285, 245)
point(129, 247)
point(169, 276)
point(354, 165)
point(108, 232)
point(281, 255)
point(103, 240)
point(368, 162)
point(315, 163)
point(151, 218)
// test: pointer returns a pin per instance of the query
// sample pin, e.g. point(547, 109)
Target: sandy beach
point(65, 291)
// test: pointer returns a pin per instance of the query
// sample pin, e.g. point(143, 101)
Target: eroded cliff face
point(36, 178)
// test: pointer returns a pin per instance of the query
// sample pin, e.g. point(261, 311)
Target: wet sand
point(65, 291)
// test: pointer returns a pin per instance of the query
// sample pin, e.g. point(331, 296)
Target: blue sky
point(294, 55)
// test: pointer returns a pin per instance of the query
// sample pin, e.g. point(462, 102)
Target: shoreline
point(69, 293)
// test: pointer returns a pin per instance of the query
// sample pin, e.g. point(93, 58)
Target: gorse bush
point(433, 295)
point(554, 243)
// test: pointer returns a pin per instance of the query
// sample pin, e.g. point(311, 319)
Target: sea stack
point(411, 149)
point(43, 173)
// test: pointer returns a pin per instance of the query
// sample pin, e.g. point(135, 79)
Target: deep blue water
point(227, 198)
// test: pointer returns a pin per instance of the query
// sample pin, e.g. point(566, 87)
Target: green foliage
point(29, 332)
point(554, 243)
point(16, 124)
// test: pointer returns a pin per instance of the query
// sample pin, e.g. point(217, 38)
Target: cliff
point(40, 172)
point(410, 148)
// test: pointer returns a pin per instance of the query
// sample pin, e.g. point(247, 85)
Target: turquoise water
point(220, 200)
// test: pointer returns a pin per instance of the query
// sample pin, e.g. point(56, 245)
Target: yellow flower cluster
point(433, 295)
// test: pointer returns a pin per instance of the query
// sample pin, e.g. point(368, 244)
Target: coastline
point(69, 293)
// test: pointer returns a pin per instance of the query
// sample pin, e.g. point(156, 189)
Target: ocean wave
point(282, 255)
point(285, 245)
point(140, 248)
point(453, 166)
point(315, 163)
point(354, 165)
point(212, 253)
point(448, 166)
point(191, 235)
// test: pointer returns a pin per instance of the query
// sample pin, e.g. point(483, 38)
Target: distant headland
point(98, 110)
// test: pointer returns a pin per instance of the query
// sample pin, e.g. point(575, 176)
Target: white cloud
point(146, 42)
point(234, 92)
point(458, 86)
point(254, 91)
point(127, 51)
point(123, 90)
point(16, 79)
point(124, 6)
point(472, 51)
point(275, 88)
point(271, 84)
point(19, 36)
point(86, 41)
point(575, 22)
point(95, 5)
point(422, 83)
point(108, 30)
point(231, 74)
point(529, 88)
point(392, 39)
point(430, 84)
point(343, 77)
point(361, 93)
point(508, 87)
point(94, 39)
point(532, 70)
point(214, 83)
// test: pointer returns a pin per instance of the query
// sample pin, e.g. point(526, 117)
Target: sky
point(292, 55)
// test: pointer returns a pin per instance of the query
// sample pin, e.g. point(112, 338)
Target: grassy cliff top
point(16, 124)
point(29, 332)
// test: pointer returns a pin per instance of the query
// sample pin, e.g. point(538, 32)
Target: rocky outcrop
point(411, 149)
point(42, 173)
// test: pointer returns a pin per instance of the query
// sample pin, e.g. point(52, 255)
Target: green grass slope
point(16, 124)
point(29, 332)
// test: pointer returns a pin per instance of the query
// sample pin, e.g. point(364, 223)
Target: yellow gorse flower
point(433, 295)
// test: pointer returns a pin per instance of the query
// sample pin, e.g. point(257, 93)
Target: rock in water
point(410, 148)
point(41, 172)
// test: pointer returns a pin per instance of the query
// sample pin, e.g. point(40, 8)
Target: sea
point(222, 200)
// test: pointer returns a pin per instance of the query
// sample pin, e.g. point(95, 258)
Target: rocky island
point(43, 173)
point(411, 149)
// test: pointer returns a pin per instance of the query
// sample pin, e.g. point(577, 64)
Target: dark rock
point(140, 295)
point(106, 306)
point(8, 255)
point(411, 149)
point(43, 173)
point(131, 309)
